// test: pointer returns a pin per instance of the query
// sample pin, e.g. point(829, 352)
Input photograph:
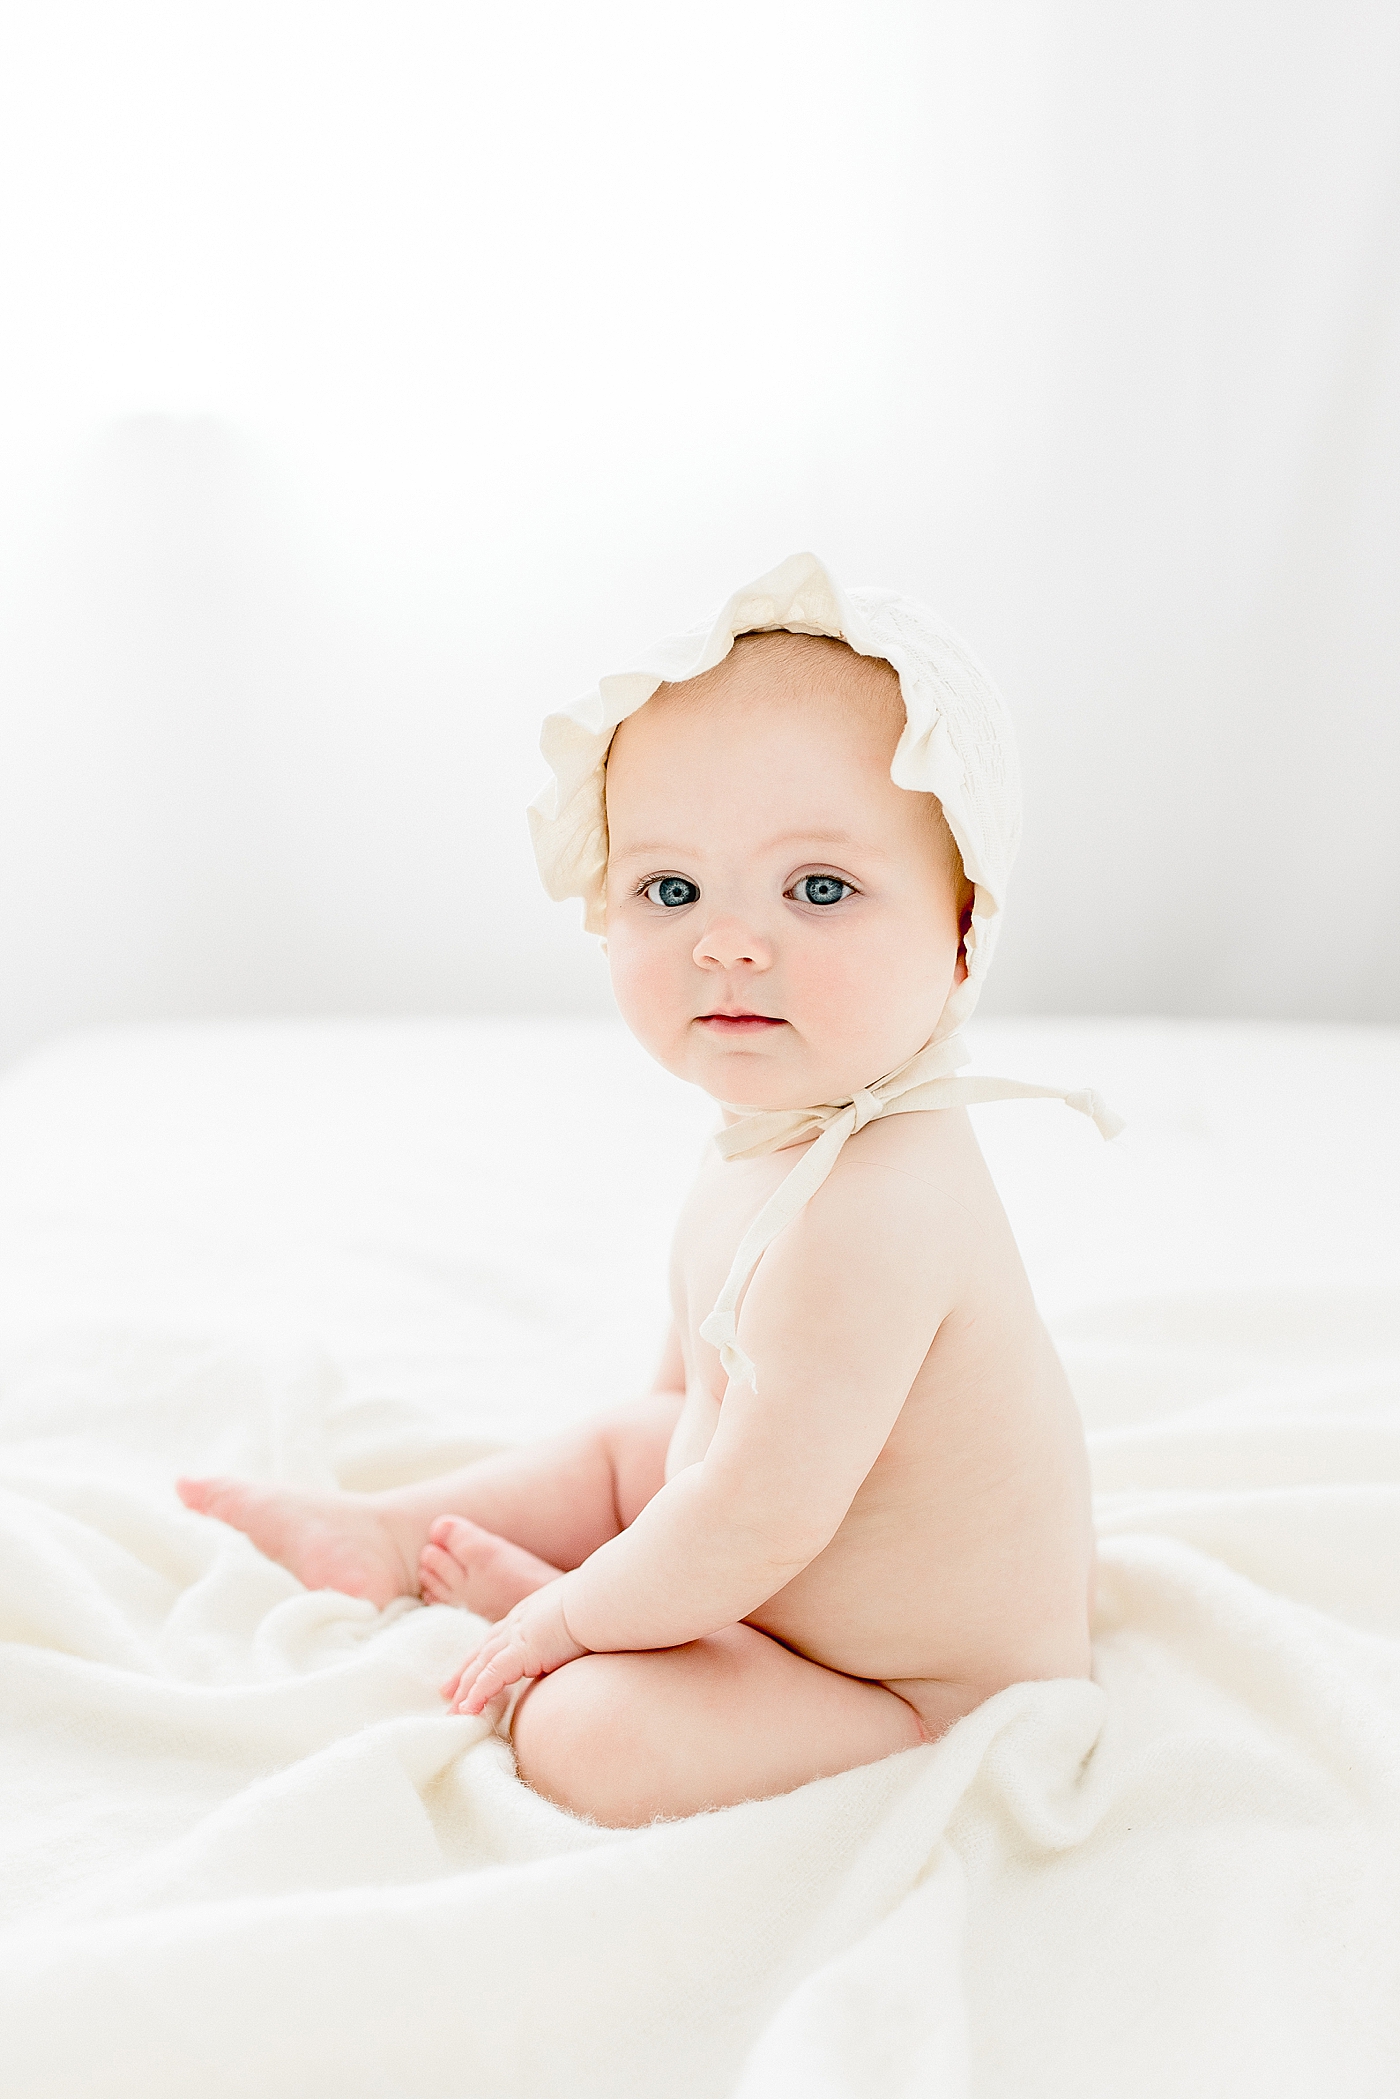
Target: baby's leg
point(626, 1737)
point(559, 1499)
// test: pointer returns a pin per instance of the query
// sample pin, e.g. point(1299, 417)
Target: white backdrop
point(374, 376)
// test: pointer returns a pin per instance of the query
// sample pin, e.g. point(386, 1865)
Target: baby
point(857, 1502)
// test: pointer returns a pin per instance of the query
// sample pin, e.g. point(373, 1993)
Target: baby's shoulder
point(928, 1164)
point(908, 1210)
point(894, 1242)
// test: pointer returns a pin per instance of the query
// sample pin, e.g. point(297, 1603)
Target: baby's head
point(796, 824)
point(784, 924)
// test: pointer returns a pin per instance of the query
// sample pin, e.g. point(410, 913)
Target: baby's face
point(782, 920)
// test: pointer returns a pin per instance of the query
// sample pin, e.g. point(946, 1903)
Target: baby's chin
point(773, 1084)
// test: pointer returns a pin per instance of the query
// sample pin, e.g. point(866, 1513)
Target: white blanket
point(243, 1850)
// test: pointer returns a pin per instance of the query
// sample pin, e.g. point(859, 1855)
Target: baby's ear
point(964, 928)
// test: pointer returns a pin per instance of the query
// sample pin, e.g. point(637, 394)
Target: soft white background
point(374, 376)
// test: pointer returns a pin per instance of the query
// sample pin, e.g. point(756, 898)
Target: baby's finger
point(473, 1680)
point(507, 1668)
point(461, 1676)
point(494, 1641)
point(477, 1659)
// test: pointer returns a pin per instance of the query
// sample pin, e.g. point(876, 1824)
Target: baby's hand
point(529, 1641)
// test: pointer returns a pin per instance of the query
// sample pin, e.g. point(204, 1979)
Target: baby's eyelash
point(825, 880)
point(661, 884)
point(822, 878)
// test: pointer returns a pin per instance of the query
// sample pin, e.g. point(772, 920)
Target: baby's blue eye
point(822, 889)
point(671, 890)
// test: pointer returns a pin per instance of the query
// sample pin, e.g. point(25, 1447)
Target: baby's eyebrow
point(655, 850)
point(810, 838)
point(647, 850)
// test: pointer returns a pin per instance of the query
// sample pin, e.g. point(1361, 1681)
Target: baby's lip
point(736, 1019)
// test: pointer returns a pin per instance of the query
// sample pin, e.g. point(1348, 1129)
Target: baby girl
point(856, 1503)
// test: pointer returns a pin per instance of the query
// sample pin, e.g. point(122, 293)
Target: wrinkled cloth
point(244, 1850)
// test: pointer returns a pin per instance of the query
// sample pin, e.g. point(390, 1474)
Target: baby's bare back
point(965, 1557)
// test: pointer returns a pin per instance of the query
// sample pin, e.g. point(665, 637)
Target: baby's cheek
point(859, 995)
point(841, 987)
point(644, 985)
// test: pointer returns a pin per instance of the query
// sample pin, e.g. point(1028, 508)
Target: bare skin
point(756, 1587)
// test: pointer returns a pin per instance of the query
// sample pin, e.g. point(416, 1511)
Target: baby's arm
point(670, 1371)
point(838, 1320)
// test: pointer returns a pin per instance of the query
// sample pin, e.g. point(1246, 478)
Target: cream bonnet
point(957, 742)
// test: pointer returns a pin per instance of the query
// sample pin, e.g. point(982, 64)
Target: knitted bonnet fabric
point(957, 744)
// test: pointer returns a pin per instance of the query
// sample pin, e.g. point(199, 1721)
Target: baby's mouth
point(738, 1023)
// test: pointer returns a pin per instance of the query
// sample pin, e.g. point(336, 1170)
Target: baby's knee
point(575, 1744)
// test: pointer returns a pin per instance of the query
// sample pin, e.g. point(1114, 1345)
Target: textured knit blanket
point(245, 1852)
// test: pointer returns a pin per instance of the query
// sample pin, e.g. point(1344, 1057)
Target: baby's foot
point(328, 1541)
point(466, 1565)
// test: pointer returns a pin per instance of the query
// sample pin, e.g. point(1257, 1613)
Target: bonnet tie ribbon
point(926, 1081)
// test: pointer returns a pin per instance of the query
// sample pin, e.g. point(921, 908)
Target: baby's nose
point(726, 942)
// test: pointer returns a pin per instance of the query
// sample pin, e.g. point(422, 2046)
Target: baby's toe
point(446, 1577)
